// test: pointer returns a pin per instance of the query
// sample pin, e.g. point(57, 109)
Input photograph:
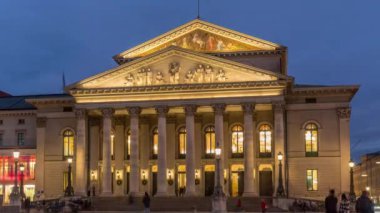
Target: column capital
point(190, 109)
point(107, 112)
point(80, 113)
point(278, 106)
point(41, 122)
point(248, 108)
point(162, 110)
point(219, 108)
point(343, 112)
point(134, 111)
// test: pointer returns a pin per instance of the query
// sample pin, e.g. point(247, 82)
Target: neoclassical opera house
point(152, 123)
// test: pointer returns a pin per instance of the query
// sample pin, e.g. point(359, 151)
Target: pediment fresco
point(176, 66)
point(203, 41)
point(200, 36)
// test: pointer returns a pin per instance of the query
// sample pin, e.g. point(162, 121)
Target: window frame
point(68, 143)
point(127, 145)
point(312, 180)
point(311, 153)
point(259, 129)
point(181, 132)
point(154, 134)
point(237, 153)
point(209, 140)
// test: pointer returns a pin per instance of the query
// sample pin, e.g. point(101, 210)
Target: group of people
point(363, 204)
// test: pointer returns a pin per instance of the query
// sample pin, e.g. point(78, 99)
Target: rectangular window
point(20, 138)
point(1, 138)
point(312, 179)
point(1, 122)
point(21, 121)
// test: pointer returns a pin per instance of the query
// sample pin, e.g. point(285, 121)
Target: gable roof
point(243, 41)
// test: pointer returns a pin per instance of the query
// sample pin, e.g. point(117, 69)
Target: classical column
point(162, 185)
point(80, 154)
point(134, 175)
point(279, 138)
point(249, 154)
point(344, 114)
point(40, 156)
point(106, 164)
point(218, 111)
point(190, 110)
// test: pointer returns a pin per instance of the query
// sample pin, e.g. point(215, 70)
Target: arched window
point(155, 143)
point(209, 141)
point(237, 141)
point(182, 142)
point(68, 143)
point(265, 133)
point(311, 140)
point(127, 145)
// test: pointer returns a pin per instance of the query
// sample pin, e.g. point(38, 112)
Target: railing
point(307, 205)
point(57, 205)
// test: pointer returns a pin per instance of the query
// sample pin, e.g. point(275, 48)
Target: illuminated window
point(312, 179)
point(20, 138)
point(127, 145)
point(182, 142)
point(66, 179)
point(237, 141)
point(209, 141)
point(265, 134)
point(112, 146)
point(155, 143)
point(311, 140)
point(68, 143)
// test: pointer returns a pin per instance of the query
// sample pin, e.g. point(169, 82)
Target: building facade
point(153, 122)
point(367, 175)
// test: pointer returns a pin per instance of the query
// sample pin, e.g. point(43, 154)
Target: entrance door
point(266, 184)
point(181, 183)
point(209, 183)
point(154, 183)
point(237, 183)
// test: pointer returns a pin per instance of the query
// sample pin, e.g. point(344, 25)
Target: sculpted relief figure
point(130, 79)
point(149, 76)
point(174, 69)
point(189, 78)
point(140, 77)
point(221, 75)
point(159, 78)
point(199, 73)
point(209, 74)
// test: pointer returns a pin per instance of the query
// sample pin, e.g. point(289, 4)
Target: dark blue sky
point(330, 42)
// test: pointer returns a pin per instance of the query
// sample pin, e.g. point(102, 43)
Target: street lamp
point(219, 198)
point(22, 168)
point(280, 188)
point(351, 164)
point(69, 189)
point(15, 194)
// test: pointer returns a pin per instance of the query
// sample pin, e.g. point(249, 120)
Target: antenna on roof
point(198, 16)
point(63, 82)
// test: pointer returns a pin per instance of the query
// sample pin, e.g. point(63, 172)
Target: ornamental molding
point(248, 108)
point(179, 88)
point(134, 111)
point(190, 27)
point(324, 90)
point(190, 109)
point(107, 112)
point(17, 113)
point(51, 101)
point(219, 108)
point(344, 112)
point(80, 113)
point(131, 71)
point(162, 110)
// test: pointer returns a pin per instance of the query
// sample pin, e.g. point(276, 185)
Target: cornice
point(15, 113)
point(48, 101)
point(324, 90)
point(179, 88)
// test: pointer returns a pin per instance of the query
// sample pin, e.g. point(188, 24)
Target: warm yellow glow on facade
point(209, 168)
point(94, 175)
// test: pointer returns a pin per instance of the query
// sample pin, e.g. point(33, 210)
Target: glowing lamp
point(280, 156)
point(22, 167)
point(218, 152)
point(367, 188)
point(351, 164)
point(69, 160)
point(16, 154)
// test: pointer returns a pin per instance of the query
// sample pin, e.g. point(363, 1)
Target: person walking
point(344, 206)
point(331, 202)
point(263, 206)
point(364, 204)
point(146, 202)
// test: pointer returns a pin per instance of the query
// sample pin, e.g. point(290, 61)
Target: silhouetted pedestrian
point(364, 204)
point(344, 206)
point(146, 202)
point(263, 206)
point(331, 202)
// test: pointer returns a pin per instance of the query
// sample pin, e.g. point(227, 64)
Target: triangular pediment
point(176, 66)
point(200, 36)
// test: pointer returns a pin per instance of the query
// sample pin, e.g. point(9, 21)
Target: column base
point(250, 194)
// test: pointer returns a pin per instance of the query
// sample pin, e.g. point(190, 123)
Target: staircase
point(164, 204)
